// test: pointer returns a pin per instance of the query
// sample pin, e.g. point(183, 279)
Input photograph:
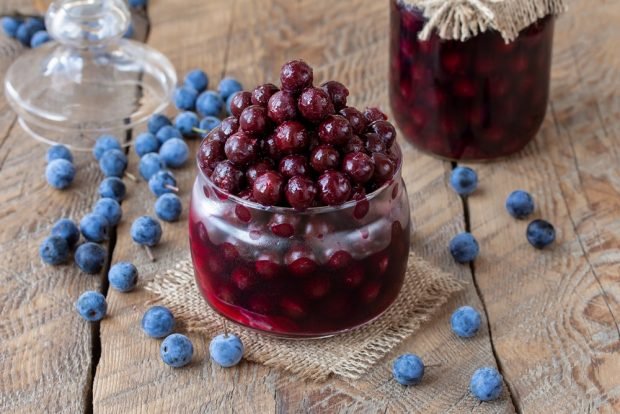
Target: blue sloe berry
point(464, 247)
point(162, 182)
point(146, 142)
point(103, 144)
point(94, 227)
point(209, 122)
point(110, 209)
point(168, 207)
point(176, 350)
point(39, 38)
point(90, 257)
point(174, 152)
point(185, 98)
point(146, 231)
point(54, 250)
point(197, 79)
point(464, 180)
point(58, 151)
point(91, 306)
point(408, 369)
point(113, 163)
point(465, 322)
point(226, 350)
point(540, 233)
point(158, 322)
point(520, 204)
point(60, 173)
point(185, 122)
point(150, 164)
point(112, 187)
point(157, 122)
point(209, 103)
point(229, 86)
point(123, 276)
point(486, 384)
point(68, 230)
point(167, 132)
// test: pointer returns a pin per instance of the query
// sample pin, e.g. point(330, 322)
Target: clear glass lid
point(90, 80)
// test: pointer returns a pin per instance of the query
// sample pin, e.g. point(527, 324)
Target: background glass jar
point(300, 274)
point(478, 99)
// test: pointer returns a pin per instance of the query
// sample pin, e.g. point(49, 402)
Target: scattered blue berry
point(150, 164)
point(137, 3)
point(229, 86)
point(540, 233)
point(112, 187)
point(464, 180)
point(465, 322)
point(520, 204)
point(24, 33)
point(58, 152)
point(94, 227)
point(176, 350)
point(464, 247)
point(103, 144)
point(408, 369)
point(197, 79)
point(167, 132)
point(123, 276)
point(486, 384)
point(185, 122)
point(168, 207)
point(113, 163)
point(209, 103)
point(91, 306)
point(146, 231)
point(60, 173)
point(90, 257)
point(209, 122)
point(10, 25)
point(110, 209)
point(35, 23)
point(66, 229)
point(54, 250)
point(158, 322)
point(39, 38)
point(185, 98)
point(226, 350)
point(174, 152)
point(157, 122)
point(162, 183)
point(146, 142)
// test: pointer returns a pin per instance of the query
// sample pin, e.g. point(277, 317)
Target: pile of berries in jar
point(299, 219)
point(477, 99)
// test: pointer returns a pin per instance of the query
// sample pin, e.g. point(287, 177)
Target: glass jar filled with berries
point(477, 99)
point(299, 217)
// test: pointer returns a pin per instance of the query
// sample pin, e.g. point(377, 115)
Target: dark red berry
point(324, 157)
point(355, 144)
point(317, 287)
point(229, 126)
point(283, 225)
point(239, 102)
point(356, 119)
point(337, 93)
point(294, 164)
point(262, 93)
point(385, 130)
point(295, 76)
point(374, 143)
point(339, 260)
point(257, 169)
point(242, 277)
point(291, 137)
point(294, 307)
point(216, 134)
point(335, 130)
point(374, 114)
point(227, 177)
point(268, 188)
point(241, 148)
point(384, 168)
point(369, 292)
point(282, 106)
point(353, 276)
point(254, 120)
point(267, 265)
point(334, 188)
point(269, 147)
point(300, 260)
point(358, 166)
point(314, 104)
point(229, 251)
point(210, 153)
point(300, 192)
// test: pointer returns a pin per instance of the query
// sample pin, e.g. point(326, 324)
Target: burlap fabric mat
point(349, 355)
point(462, 19)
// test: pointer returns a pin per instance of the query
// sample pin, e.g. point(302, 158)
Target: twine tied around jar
point(462, 19)
point(466, 16)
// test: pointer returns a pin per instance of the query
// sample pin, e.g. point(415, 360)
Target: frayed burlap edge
point(349, 355)
point(462, 19)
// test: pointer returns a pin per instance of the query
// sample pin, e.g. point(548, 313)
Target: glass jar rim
point(309, 211)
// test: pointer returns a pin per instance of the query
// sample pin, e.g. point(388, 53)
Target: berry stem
point(171, 187)
point(225, 327)
point(131, 176)
point(199, 131)
point(149, 253)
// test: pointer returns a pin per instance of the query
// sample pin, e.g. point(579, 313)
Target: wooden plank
point(349, 44)
point(554, 314)
point(45, 361)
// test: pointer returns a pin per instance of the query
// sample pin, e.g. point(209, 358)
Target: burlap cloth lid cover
point(462, 19)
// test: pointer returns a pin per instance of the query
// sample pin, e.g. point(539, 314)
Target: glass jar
point(478, 99)
point(312, 273)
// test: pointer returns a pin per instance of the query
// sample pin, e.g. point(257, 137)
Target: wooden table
point(551, 317)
